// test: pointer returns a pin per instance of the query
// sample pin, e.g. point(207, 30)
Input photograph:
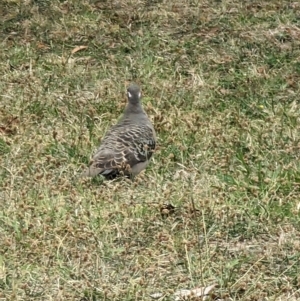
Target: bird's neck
point(134, 109)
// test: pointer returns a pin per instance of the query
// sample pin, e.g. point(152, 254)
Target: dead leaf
point(41, 45)
point(181, 174)
point(157, 295)
point(167, 209)
point(78, 48)
point(185, 294)
point(224, 91)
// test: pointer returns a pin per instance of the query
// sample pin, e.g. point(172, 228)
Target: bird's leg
point(131, 177)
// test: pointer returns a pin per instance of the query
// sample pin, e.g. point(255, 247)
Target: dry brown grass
point(220, 201)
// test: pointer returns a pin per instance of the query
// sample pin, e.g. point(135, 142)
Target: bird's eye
point(129, 94)
point(140, 94)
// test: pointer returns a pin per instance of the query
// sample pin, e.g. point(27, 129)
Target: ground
point(219, 203)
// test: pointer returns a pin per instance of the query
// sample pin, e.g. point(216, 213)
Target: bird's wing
point(122, 148)
point(140, 145)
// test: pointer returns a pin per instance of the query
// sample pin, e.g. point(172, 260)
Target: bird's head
point(134, 94)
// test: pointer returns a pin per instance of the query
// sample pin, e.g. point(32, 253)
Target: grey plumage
point(127, 146)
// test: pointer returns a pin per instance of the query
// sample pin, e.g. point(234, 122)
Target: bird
point(127, 146)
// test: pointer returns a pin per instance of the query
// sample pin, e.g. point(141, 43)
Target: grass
point(219, 202)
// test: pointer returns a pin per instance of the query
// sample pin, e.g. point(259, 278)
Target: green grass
point(220, 81)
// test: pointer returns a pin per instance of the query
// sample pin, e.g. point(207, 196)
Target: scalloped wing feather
point(123, 147)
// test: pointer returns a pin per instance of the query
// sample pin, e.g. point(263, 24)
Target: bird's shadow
point(97, 180)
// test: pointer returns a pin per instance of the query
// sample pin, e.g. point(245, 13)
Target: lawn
point(219, 203)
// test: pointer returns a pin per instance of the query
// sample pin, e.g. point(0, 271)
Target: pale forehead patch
point(130, 95)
